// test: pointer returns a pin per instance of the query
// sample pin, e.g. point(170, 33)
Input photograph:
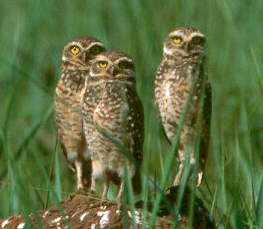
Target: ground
point(83, 211)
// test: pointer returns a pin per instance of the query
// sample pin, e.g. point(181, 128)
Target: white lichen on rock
point(46, 213)
point(82, 217)
point(55, 220)
point(75, 214)
point(104, 219)
point(5, 223)
point(138, 217)
point(21, 225)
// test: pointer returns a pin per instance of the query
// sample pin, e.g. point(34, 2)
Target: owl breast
point(112, 115)
point(68, 120)
point(171, 93)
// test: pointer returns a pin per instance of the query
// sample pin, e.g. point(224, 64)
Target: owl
point(76, 59)
point(114, 121)
point(182, 66)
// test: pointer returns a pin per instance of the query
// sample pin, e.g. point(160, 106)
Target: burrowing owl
point(76, 60)
point(182, 65)
point(114, 123)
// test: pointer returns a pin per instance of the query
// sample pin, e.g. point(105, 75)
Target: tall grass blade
point(28, 137)
point(171, 156)
point(259, 207)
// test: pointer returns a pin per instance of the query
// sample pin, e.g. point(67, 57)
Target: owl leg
point(79, 169)
point(177, 180)
point(106, 188)
point(184, 164)
point(197, 178)
point(93, 185)
point(181, 152)
point(203, 152)
point(118, 199)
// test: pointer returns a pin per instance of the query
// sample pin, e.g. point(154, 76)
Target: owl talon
point(92, 192)
point(81, 191)
point(199, 179)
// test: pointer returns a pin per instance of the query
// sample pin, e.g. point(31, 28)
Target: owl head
point(184, 43)
point(79, 52)
point(113, 65)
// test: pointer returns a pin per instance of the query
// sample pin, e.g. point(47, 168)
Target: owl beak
point(85, 57)
point(187, 47)
point(110, 71)
point(116, 71)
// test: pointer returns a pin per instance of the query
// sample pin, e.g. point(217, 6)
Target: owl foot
point(81, 191)
point(92, 192)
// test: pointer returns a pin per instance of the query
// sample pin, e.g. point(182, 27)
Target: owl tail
point(136, 181)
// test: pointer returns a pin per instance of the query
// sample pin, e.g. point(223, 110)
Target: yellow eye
point(126, 65)
point(197, 40)
point(95, 50)
point(177, 40)
point(123, 64)
point(74, 50)
point(103, 64)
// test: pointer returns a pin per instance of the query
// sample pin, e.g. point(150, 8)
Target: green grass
point(33, 34)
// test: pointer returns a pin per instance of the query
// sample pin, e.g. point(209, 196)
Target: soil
point(83, 211)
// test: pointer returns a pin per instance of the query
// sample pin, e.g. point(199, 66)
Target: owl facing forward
point(183, 64)
point(114, 120)
point(76, 59)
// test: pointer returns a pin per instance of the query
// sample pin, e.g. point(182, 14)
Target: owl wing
point(207, 112)
point(135, 123)
point(135, 129)
point(159, 99)
point(63, 121)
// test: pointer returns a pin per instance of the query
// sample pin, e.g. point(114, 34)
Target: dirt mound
point(82, 211)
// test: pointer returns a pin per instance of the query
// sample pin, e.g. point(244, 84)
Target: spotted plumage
point(182, 65)
point(76, 59)
point(114, 120)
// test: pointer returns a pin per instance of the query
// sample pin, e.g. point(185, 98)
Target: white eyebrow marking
point(95, 43)
point(197, 34)
point(176, 33)
point(74, 43)
point(125, 58)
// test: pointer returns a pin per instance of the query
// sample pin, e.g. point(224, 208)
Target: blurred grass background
point(32, 35)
